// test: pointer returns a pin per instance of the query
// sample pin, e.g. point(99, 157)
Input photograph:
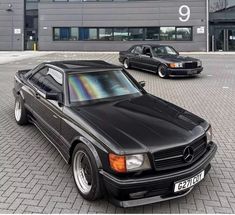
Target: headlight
point(209, 135)
point(176, 65)
point(129, 163)
point(199, 63)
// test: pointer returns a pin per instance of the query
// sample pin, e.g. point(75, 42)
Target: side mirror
point(142, 83)
point(54, 96)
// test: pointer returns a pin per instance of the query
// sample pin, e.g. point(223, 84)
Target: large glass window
point(136, 33)
point(106, 34)
point(167, 33)
point(56, 34)
point(152, 33)
point(120, 34)
point(123, 33)
point(74, 34)
point(65, 33)
point(99, 85)
point(89, 33)
point(184, 33)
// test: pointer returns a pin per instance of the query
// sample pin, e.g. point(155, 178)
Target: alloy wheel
point(18, 110)
point(82, 172)
point(126, 64)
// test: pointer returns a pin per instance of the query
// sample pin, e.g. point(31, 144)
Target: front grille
point(192, 65)
point(173, 158)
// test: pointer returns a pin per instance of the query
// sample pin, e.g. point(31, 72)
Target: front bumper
point(184, 72)
point(155, 188)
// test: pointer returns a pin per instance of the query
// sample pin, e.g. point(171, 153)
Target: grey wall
point(8, 22)
point(105, 14)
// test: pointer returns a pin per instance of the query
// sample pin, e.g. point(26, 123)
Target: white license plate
point(187, 183)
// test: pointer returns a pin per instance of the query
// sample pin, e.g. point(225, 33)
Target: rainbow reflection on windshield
point(98, 85)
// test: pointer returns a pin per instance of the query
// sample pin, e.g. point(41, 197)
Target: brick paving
point(35, 179)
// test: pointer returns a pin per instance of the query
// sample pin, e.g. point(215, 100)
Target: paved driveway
point(34, 177)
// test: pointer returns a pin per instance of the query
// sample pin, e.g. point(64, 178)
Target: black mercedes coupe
point(163, 60)
point(122, 142)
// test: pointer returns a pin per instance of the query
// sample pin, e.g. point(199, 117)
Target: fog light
point(137, 195)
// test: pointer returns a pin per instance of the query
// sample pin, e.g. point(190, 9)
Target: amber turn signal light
point(118, 163)
point(172, 65)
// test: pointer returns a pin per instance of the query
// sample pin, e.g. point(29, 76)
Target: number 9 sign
point(185, 13)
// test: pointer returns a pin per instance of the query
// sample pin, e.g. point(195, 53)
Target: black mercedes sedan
point(122, 142)
point(163, 60)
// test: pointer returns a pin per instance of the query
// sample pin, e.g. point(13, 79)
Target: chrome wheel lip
point(18, 111)
point(160, 72)
point(79, 173)
point(125, 64)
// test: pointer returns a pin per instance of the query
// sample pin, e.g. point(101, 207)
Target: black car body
point(134, 147)
point(161, 59)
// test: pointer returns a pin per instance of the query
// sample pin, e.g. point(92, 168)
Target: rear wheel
point(20, 111)
point(126, 64)
point(162, 71)
point(86, 173)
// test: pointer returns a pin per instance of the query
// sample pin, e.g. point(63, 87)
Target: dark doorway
point(31, 25)
point(223, 38)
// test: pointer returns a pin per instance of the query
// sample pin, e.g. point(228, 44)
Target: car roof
point(151, 45)
point(82, 65)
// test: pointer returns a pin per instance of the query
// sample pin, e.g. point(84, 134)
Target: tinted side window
point(48, 79)
point(146, 51)
point(138, 50)
point(132, 50)
point(37, 78)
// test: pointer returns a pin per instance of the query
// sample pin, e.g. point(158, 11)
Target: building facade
point(114, 25)
point(12, 25)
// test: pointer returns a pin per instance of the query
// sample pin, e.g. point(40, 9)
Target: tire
point(20, 111)
point(126, 63)
point(162, 71)
point(87, 179)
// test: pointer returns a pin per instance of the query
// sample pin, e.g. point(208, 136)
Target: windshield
point(164, 50)
point(99, 85)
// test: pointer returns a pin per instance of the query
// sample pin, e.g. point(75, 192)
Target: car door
point(47, 113)
point(146, 59)
point(135, 57)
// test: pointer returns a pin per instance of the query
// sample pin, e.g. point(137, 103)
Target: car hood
point(178, 58)
point(143, 124)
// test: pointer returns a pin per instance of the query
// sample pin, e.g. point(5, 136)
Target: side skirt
point(46, 136)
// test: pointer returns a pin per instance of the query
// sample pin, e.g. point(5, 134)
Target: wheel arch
point(19, 93)
point(162, 63)
point(84, 141)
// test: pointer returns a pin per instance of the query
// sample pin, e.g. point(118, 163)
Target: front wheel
point(162, 71)
point(126, 64)
point(20, 111)
point(85, 173)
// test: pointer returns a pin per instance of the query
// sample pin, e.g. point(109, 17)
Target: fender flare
point(82, 140)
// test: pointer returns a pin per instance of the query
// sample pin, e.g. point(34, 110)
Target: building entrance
point(223, 39)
